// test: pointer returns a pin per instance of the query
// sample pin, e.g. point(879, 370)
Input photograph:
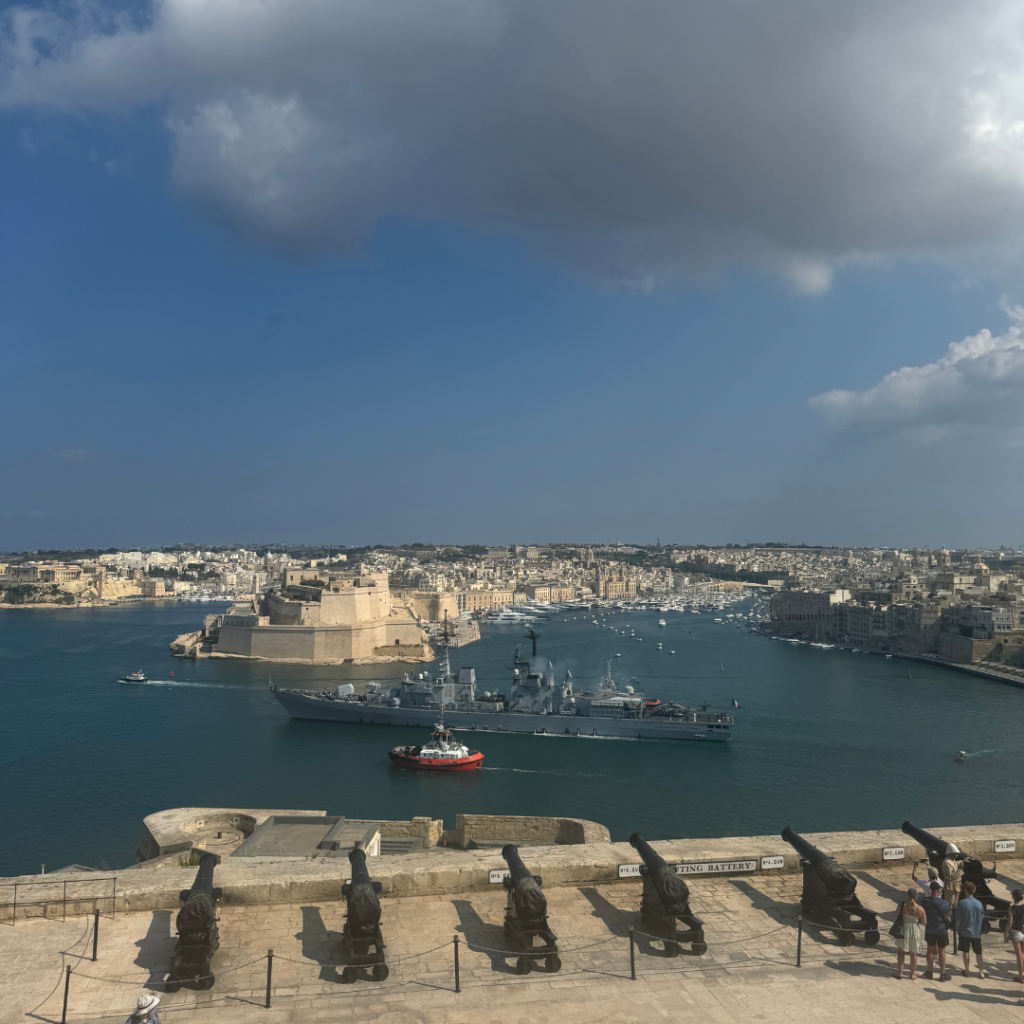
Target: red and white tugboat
point(442, 754)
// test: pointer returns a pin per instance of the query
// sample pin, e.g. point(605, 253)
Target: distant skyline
point(484, 270)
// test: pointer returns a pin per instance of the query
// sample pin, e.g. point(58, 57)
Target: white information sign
point(893, 853)
point(1006, 846)
point(717, 867)
point(772, 863)
point(498, 876)
point(629, 871)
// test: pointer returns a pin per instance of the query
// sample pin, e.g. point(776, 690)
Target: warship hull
point(326, 709)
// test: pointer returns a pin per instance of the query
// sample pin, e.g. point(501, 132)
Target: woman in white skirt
point(912, 941)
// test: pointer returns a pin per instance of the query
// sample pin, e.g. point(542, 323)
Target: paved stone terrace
point(749, 972)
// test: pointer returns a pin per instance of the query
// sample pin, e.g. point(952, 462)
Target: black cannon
point(526, 914)
point(829, 896)
point(362, 923)
point(666, 899)
point(996, 909)
point(198, 935)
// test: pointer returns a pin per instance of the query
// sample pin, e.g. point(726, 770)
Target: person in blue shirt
point(968, 916)
point(936, 932)
point(145, 1011)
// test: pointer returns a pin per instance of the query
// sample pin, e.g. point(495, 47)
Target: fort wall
point(450, 871)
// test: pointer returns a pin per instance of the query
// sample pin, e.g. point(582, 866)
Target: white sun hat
point(145, 1004)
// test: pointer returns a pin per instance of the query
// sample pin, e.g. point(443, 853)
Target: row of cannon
point(829, 898)
point(829, 895)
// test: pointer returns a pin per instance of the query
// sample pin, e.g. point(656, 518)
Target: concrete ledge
point(458, 871)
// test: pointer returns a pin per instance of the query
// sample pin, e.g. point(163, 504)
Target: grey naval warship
point(537, 703)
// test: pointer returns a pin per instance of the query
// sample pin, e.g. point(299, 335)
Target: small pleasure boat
point(442, 754)
point(138, 676)
point(961, 755)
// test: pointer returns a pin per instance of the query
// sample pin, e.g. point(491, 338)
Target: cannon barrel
point(648, 854)
point(808, 851)
point(203, 885)
point(531, 904)
point(360, 874)
point(516, 867)
point(838, 882)
point(361, 893)
point(672, 891)
point(932, 843)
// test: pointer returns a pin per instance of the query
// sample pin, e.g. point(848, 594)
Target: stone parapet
point(458, 871)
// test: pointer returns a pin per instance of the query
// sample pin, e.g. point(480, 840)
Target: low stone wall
point(427, 829)
point(459, 871)
point(494, 828)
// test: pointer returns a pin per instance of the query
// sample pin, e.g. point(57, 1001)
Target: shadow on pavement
point(155, 949)
point(319, 944)
point(483, 937)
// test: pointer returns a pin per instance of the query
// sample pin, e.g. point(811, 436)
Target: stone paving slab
point(748, 973)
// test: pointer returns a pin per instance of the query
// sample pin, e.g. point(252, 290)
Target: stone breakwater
point(452, 871)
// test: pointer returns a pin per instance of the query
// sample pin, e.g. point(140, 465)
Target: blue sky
point(495, 337)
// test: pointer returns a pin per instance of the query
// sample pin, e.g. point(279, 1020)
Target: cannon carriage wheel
point(845, 937)
point(698, 948)
point(671, 948)
point(872, 937)
point(380, 972)
point(172, 984)
point(348, 975)
point(205, 980)
point(524, 965)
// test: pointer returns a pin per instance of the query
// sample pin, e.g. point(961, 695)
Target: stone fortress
point(318, 617)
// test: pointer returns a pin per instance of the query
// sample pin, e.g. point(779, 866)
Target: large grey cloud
point(637, 138)
point(977, 384)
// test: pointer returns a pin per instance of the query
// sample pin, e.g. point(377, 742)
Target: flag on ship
point(736, 703)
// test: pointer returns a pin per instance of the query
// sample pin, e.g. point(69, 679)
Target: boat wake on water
point(182, 682)
point(548, 771)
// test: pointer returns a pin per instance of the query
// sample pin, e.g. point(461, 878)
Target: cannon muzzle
point(807, 851)
point(516, 867)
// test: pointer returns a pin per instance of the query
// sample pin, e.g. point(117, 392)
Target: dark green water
point(825, 739)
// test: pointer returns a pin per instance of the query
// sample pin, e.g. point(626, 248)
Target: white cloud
point(638, 139)
point(978, 383)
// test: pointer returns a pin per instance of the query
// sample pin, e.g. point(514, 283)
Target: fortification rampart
point(451, 871)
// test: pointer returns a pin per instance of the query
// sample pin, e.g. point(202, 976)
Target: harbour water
point(825, 739)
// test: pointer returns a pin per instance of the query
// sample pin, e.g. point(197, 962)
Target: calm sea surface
point(824, 740)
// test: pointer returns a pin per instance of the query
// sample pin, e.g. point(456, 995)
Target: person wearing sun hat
point(145, 1011)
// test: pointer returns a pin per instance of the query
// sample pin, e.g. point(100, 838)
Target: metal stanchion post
point(270, 974)
point(632, 955)
point(67, 985)
point(799, 936)
point(95, 932)
point(458, 987)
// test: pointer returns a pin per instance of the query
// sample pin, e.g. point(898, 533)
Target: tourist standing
point(968, 915)
point(936, 931)
point(952, 874)
point(913, 919)
point(145, 1011)
point(933, 876)
point(1015, 931)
